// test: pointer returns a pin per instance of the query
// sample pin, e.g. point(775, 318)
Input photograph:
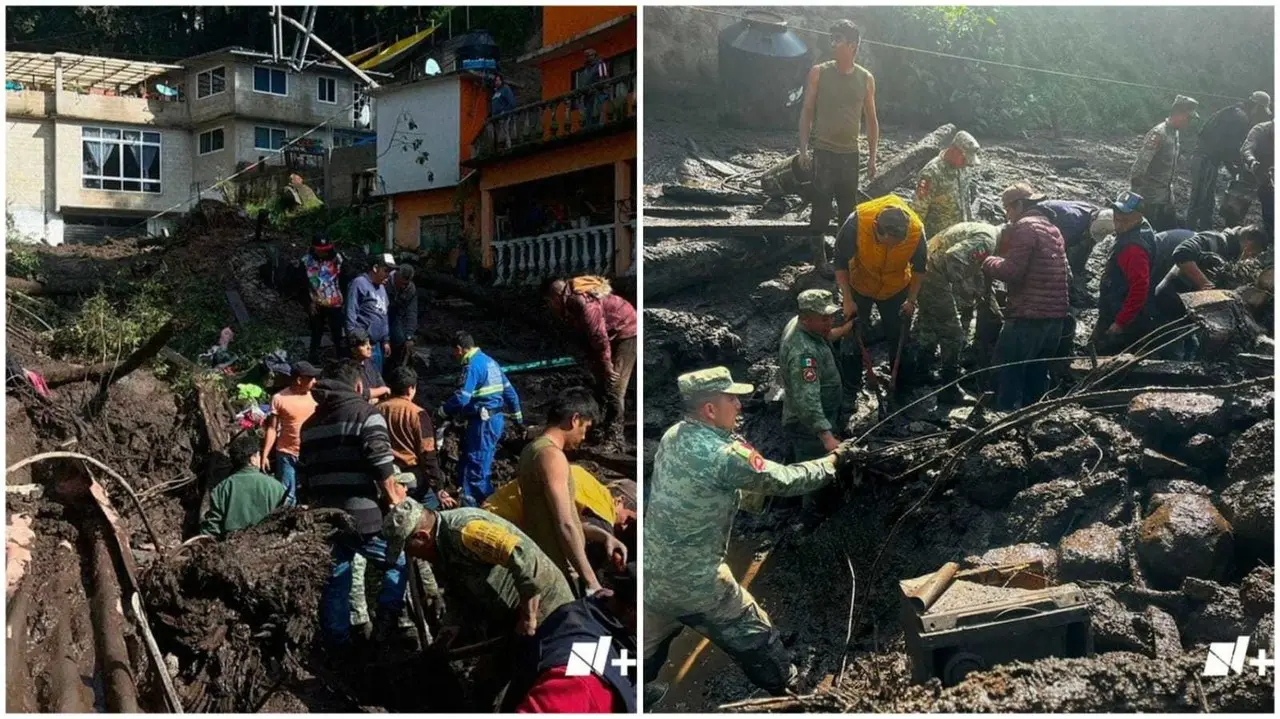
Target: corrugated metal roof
point(84, 71)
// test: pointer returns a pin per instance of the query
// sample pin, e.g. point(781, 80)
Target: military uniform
point(1152, 173)
point(700, 473)
point(486, 557)
point(953, 286)
point(944, 192)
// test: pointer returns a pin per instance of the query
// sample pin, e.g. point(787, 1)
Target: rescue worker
point(413, 438)
point(1151, 176)
point(811, 402)
point(485, 558)
point(346, 463)
point(1258, 153)
point(953, 287)
point(480, 399)
point(1082, 225)
point(1213, 249)
point(881, 259)
point(546, 487)
point(1218, 146)
point(246, 497)
point(1031, 261)
point(701, 470)
point(1126, 281)
point(944, 192)
point(837, 95)
point(606, 322)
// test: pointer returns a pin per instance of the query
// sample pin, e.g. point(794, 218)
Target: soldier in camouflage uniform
point(1152, 173)
point(811, 402)
point(483, 556)
point(944, 193)
point(701, 470)
point(953, 286)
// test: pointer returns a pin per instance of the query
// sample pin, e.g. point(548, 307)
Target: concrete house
point(100, 145)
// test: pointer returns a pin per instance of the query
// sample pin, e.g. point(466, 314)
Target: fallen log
point(687, 213)
point(1174, 373)
point(660, 227)
point(140, 356)
point(673, 266)
point(108, 629)
point(712, 196)
point(902, 168)
point(59, 376)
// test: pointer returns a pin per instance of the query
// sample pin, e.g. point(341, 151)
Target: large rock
point(1204, 452)
point(1171, 417)
point(1220, 620)
point(1254, 453)
point(1250, 506)
point(1161, 489)
point(1068, 424)
point(1097, 552)
point(1066, 460)
point(1166, 640)
point(1264, 634)
point(1115, 628)
point(676, 342)
point(1019, 554)
point(1258, 592)
point(1185, 536)
point(1046, 511)
point(992, 476)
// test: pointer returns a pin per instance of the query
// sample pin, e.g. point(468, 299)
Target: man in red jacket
point(607, 325)
point(1031, 260)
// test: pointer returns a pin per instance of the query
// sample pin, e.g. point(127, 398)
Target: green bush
point(104, 331)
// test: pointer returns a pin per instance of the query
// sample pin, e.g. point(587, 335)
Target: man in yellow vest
point(880, 261)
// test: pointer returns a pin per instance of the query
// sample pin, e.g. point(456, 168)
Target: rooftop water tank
point(478, 51)
point(763, 66)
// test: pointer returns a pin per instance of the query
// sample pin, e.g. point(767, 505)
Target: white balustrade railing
point(530, 260)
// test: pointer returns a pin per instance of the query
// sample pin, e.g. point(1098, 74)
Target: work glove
point(848, 457)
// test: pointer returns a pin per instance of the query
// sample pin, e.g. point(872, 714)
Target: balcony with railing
point(606, 105)
point(530, 260)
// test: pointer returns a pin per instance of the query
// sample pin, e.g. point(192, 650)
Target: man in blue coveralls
point(484, 393)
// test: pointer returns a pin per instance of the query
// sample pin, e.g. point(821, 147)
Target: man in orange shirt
point(290, 407)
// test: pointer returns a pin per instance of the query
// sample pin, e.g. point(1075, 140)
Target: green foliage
point(1194, 50)
point(105, 331)
point(22, 261)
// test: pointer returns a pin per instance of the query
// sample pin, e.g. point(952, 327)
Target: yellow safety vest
point(877, 270)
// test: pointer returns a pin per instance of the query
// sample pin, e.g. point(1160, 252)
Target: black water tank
point(763, 66)
point(478, 51)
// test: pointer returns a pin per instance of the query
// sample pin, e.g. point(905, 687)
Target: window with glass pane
point(120, 160)
point(211, 82)
point(439, 232)
point(269, 80)
point(212, 141)
point(328, 89)
point(268, 138)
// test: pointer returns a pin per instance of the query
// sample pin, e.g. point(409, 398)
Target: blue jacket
point(1071, 218)
point(484, 384)
point(367, 307)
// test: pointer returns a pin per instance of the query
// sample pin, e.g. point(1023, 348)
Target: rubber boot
point(818, 251)
point(951, 396)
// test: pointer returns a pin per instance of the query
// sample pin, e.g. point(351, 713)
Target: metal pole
point(342, 60)
point(306, 41)
point(297, 45)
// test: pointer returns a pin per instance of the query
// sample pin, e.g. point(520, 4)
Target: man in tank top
point(837, 95)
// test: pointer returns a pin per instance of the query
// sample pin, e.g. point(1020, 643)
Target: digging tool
point(417, 602)
point(867, 364)
point(897, 359)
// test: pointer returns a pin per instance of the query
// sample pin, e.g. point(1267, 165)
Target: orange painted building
point(553, 179)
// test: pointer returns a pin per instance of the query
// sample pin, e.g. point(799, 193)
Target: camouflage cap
point(968, 146)
point(1182, 102)
point(399, 524)
point(712, 379)
point(819, 302)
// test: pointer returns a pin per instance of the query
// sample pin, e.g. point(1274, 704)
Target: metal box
point(974, 619)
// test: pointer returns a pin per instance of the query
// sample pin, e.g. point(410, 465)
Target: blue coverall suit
point(484, 392)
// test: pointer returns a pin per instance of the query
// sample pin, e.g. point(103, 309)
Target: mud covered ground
point(236, 622)
point(1107, 497)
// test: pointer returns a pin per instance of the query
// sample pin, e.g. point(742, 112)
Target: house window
point(268, 138)
point(270, 81)
point(120, 160)
point(211, 82)
point(439, 233)
point(328, 90)
point(212, 141)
